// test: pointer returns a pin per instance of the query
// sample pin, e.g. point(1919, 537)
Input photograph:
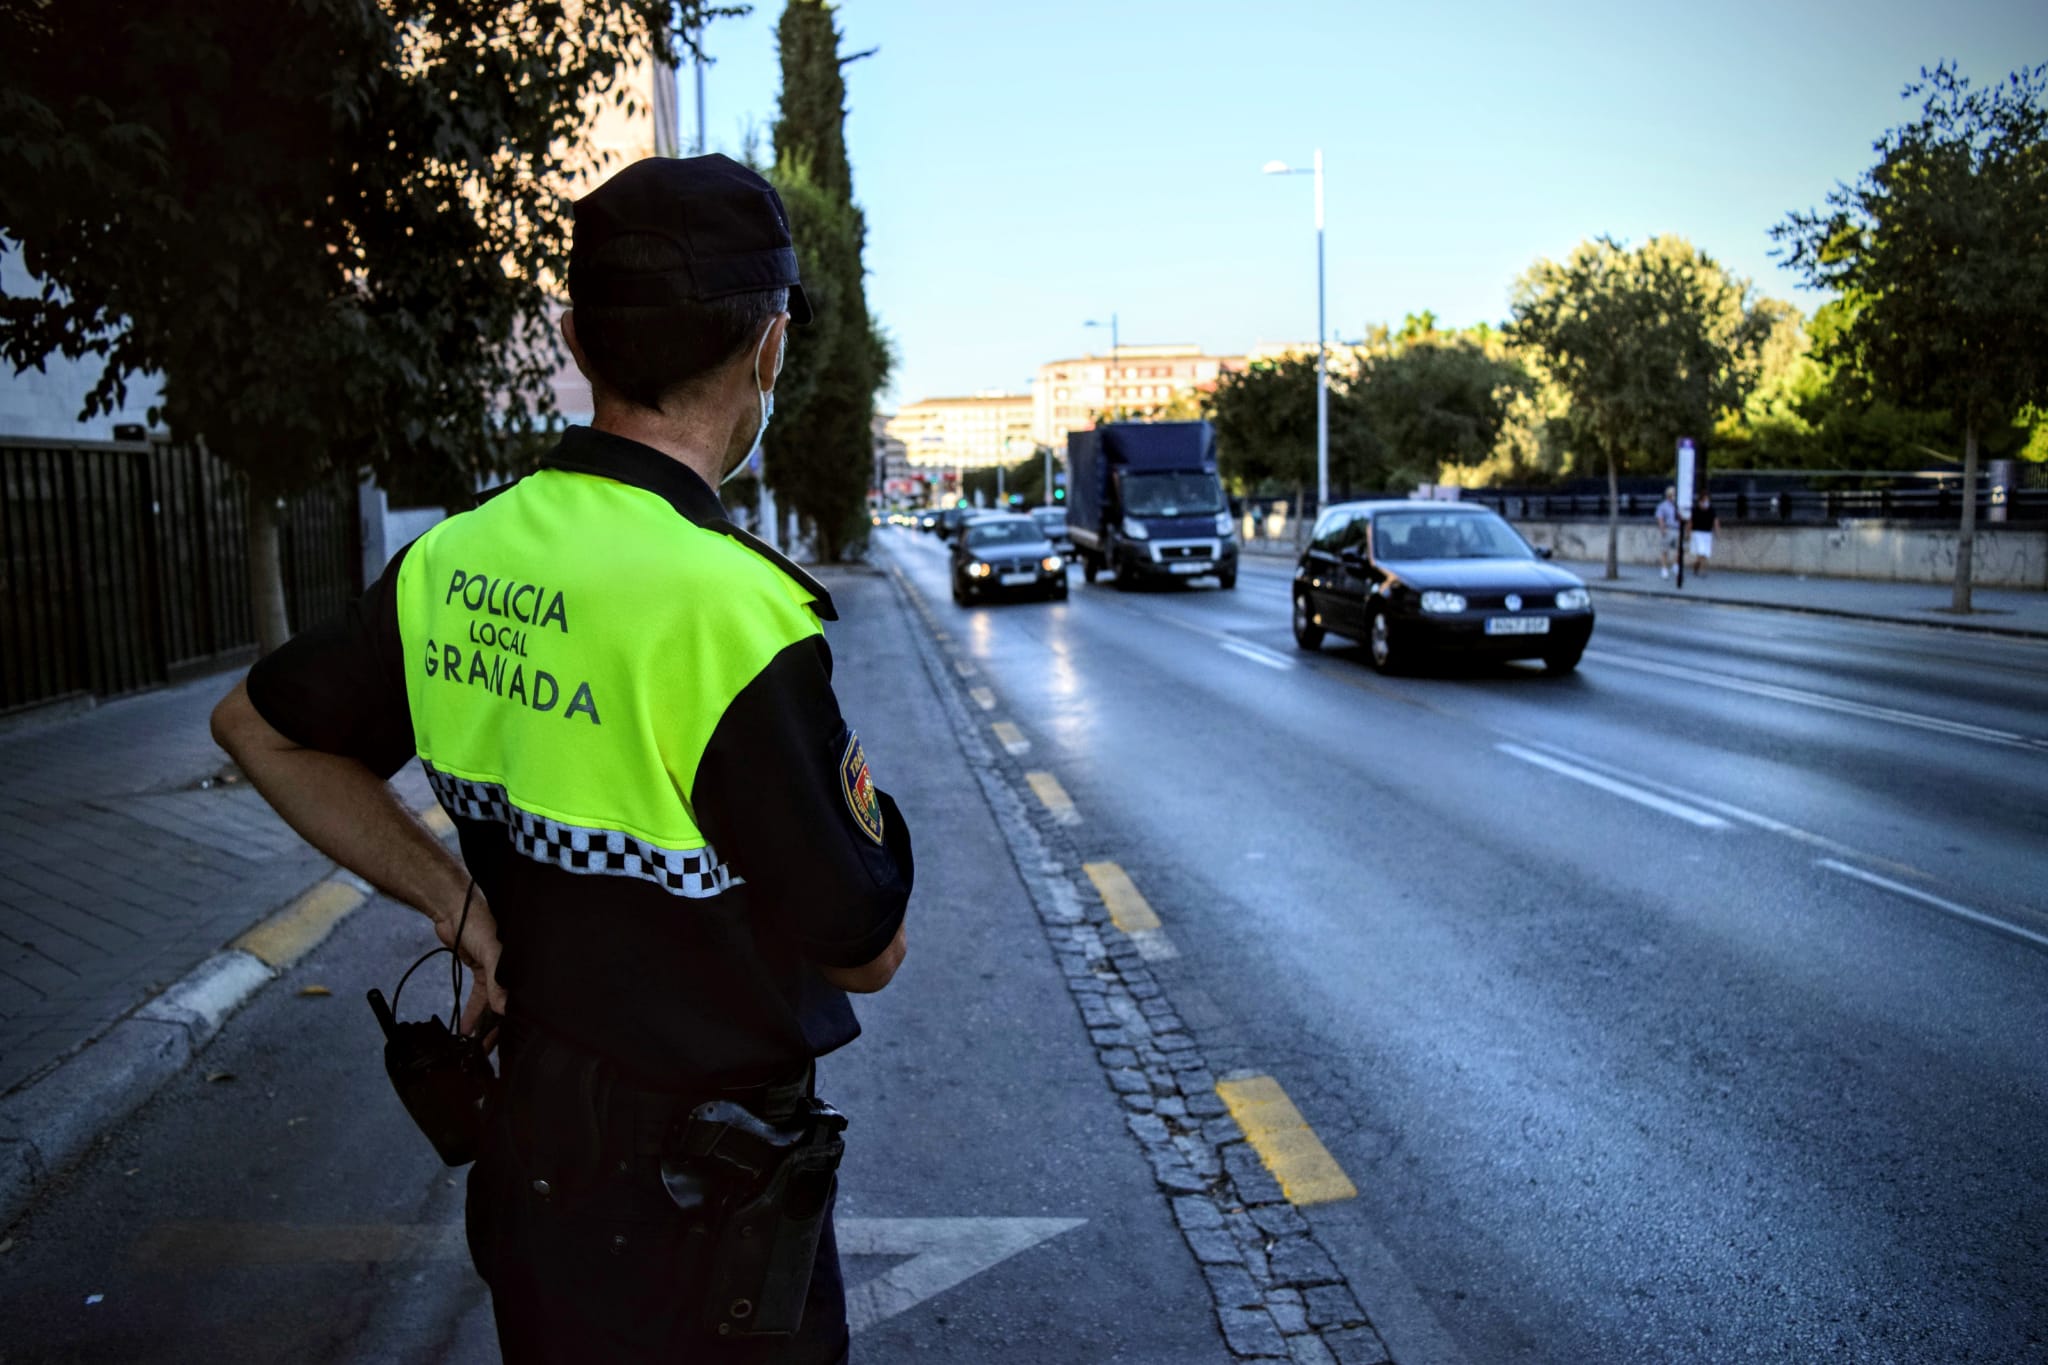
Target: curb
point(51, 1122)
point(1801, 609)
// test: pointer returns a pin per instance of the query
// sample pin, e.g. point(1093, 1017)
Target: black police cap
point(726, 225)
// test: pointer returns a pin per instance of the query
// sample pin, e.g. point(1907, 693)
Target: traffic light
point(1059, 494)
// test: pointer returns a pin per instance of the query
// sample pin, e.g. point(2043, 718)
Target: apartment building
point(987, 428)
point(1134, 380)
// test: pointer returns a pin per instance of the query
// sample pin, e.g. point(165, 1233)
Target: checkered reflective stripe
point(694, 873)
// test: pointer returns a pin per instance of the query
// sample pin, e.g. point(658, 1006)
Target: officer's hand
point(479, 952)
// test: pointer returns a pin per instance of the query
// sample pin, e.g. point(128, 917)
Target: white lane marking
point(1628, 791)
point(1928, 898)
point(1733, 812)
point(1256, 654)
point(1820, 701)
point(1153, 945)
point(942, 1251)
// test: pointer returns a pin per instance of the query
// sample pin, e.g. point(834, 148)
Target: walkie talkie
point(442, 1078)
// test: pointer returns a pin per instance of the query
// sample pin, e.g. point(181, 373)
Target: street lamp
point(1106, 390)
point(1322, 345)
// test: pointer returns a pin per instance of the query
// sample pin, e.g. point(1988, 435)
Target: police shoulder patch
point(857, 784)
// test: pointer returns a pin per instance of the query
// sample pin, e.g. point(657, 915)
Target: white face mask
point(767, 407)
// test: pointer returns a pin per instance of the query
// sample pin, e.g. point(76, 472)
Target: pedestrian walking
point(674, 859)
point(1704, 523)
point(1667, 533)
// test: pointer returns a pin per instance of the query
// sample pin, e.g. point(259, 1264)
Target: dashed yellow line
point(983, 698)
point(964, 667)
point(1307, 1173)
point(1011, 738)
point(1054, 797)
point(1127, 906)
point(296, 930)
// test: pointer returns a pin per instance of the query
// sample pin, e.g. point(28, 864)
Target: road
point(1689, 1007)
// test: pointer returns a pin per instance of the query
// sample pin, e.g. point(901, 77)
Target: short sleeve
point(340, 686)
point(785, 795)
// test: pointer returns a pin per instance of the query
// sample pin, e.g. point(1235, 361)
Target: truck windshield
point(1171, 495)
point(1444, 535)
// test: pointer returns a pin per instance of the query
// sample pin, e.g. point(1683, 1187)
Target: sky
point(1028, 167)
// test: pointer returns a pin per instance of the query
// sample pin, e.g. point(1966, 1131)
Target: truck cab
point(1146, 505)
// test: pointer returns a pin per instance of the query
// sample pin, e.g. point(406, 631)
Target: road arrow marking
point(942, 1251)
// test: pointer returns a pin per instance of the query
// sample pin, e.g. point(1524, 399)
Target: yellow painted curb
point(1011, 738)
point(1128, 909)
point(1307, 1173)
point(296, 930)
point(1054, 797)
point(983, 698)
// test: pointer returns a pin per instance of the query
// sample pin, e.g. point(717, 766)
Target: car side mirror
point(1544, 552)
point(1351, 557)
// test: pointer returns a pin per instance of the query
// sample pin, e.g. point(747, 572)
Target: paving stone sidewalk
point(124, 864)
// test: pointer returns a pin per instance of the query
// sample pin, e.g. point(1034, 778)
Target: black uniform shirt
point(678, 993)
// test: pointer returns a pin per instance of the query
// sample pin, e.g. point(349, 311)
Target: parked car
point(1410, 580)
point(1005, 553)
point(1053, 521)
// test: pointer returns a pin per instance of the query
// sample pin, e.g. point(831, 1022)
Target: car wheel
point(1089, 568)
point(1380, 640)
point(1564, 661)
point(1227, 580)
point(1307, 633)
point(959, 593)
point(1059, 592)
point(1122, 574)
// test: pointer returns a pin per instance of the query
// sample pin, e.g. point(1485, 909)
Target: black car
point(1003, 553)
point(1415, 579)
point(1053, 521)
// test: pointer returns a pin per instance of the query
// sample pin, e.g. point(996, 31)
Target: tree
point(821, 452)
point(1649, 344)
point(328, 225)
point(1941, 249)
point(1435, 398)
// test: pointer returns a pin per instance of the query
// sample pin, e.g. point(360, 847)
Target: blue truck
point(1144, 504)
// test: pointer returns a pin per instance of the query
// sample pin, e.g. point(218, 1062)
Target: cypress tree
point(820, 446)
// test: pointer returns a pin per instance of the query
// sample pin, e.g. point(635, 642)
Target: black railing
point(1792, 506)
point(124, 566)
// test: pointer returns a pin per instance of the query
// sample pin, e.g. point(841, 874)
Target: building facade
point(1136, 381)
point(964, 433)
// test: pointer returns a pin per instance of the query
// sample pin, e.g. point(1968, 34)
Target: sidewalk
point(2003, 611)
point(126, 861)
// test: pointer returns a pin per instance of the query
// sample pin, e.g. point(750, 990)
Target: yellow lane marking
point(1054, 797)
point(983, 698)
point(1011, 738)
point(296, 930)
point(436, 819)
point(1128, 908)
point(964, 667)
point(1307, 1173)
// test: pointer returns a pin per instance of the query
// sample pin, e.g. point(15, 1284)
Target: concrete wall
point(1897, 553)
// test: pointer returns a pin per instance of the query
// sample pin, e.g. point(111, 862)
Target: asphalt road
point(1691, 1007)
point(273, 1204)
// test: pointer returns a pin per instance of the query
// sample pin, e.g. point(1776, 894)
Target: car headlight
point(977, 570)
point(1136, 529)
point(1574, 599)
point(1051, 563)
point(1224, 523)
point(1443, 601)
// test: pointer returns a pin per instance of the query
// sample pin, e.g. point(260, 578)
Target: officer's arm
point(783, 793)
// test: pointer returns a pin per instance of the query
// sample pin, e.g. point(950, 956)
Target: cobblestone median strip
point(1278, 1294)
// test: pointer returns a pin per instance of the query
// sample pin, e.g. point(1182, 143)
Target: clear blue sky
point(1028, 166)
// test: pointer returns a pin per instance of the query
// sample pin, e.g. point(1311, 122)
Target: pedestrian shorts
point(1703, 544)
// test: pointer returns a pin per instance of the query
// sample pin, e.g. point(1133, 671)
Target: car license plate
point(1200, 566)
point(1018, 580)
point(1518, 625)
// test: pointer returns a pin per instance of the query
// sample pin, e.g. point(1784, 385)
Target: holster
point(758, 1193)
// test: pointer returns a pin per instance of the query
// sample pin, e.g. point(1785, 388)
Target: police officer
point(674, 861)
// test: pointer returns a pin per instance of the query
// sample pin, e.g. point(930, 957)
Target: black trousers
point(587, 1259)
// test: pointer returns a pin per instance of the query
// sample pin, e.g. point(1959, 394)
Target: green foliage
point(820, 447)
point(327, 224)
point(1648, 344)
point(1434, 399)
point(1941, 252)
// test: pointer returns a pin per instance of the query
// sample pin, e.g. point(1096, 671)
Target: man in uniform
point(674, 859)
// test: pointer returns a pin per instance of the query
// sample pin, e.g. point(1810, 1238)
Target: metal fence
point(1791, 506)
point(125, 566)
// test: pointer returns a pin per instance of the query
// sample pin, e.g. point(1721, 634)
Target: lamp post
point(1322, 344)
point(1106, 391)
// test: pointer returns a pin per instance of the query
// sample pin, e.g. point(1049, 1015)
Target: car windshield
point(1050, 520)
point(1020, 531)
point(1445, 535)
point(1172, 495)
